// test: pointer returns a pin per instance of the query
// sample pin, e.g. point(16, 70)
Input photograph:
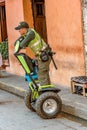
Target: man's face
point(23, 31)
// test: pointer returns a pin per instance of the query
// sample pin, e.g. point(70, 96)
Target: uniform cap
point(22, 25)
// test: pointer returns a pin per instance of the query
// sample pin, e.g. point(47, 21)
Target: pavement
point(73, 104)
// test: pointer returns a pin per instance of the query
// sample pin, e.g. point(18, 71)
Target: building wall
point(28, 16)
point(15, 12)
point(84, 11)
point(64, 30)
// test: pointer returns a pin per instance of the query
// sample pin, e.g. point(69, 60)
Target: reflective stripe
point(44, 47)
point(36, 43)
point(24, 64)
point(16, 46)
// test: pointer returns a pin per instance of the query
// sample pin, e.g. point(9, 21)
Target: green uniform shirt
point(34, 41)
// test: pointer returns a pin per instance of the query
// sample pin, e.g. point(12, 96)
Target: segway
point(42, 99)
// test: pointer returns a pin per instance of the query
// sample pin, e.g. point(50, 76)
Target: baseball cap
point(22, 25)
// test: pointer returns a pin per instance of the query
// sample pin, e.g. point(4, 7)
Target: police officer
point(29, 37)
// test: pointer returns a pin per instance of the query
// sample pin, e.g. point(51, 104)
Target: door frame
point(33, 10)
point(3, 26)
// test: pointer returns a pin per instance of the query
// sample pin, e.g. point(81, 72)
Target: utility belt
point(43, 54)
point(46, 54)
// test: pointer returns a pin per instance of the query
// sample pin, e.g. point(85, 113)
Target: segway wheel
point(28, 103)
point(48, 105)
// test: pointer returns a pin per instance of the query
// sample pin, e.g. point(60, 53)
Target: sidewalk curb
point(74, 111)
point(15, 90)
point(73, 108)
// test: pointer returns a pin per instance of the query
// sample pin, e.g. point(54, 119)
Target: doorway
point(3, 35)
point(38, 7)
point(3, 27)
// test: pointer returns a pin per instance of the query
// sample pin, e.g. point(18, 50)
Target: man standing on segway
point(29, 37)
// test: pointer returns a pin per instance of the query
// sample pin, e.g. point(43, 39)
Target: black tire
point(28, 101)
point(40, 103)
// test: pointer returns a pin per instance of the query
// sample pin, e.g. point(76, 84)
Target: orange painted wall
point(15, 14)
point(27, 7)
point(64, 30)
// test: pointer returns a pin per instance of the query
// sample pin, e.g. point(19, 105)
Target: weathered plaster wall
point(64, 30)
point(15, 12)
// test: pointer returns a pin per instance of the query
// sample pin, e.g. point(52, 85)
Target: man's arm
point(30, 36)
point(17, 45)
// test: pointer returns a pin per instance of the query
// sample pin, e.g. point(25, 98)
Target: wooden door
point(39, 18)
point(3, 23)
